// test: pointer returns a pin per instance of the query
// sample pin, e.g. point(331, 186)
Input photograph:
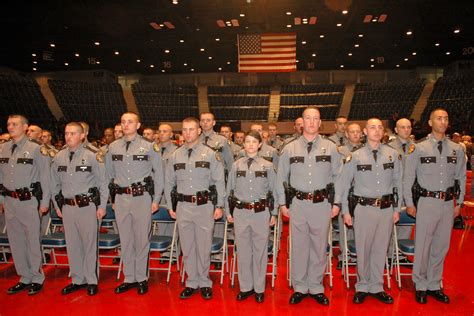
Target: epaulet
point(44, 151)
point(288, 142)
point(156, 147)
point(326, 137)
point(36, 141)
point(146, 139)
point(388, 145)
point(64, 146)
point(91, 149)
point(358, 147)
point(420, 140)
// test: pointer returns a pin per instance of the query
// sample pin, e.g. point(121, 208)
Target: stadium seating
point(383, 99)
point(21, 94)
point(165, 103)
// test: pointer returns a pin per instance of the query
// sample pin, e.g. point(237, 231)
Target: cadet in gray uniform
point(216, 142)
point(226, 131)
point(79, 186)
point(251, 182)
point(24, 173)
point(438, 164)
point(298, 127)
point(266, 151)
point(193, 168)
point(353, 134)
point(308, 164)
point(340, 136)
point(375, 171)
point(275, 140)
point(401, 143)
point(136, 170)
point(85, 126)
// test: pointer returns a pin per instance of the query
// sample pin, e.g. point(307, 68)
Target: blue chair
point(402, 246)
point(53, 239)
point(4, 245)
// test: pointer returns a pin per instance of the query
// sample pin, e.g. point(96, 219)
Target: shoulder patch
point(100, 157)
point(347, 159)
point(44, 151)
point(218, 156)
point(90, 148)
point(411, 148)
point(156, 147)
point(399, 157)
point(52, 153)
point(339, 149)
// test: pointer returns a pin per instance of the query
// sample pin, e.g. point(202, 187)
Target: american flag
point(267, 52)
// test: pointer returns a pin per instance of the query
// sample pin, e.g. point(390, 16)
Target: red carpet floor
point(163, 299)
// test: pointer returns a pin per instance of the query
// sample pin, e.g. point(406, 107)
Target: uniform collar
point(212, 133)
point(21, 142)
point(314, 141)
point(434, 140)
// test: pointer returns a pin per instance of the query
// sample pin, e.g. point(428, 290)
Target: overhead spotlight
point(152, 66)
point(175, 2)
point(339, 24)
point(437, 44)
point(192, 69)
point(321, 36)
point(456, 31)
point(288, 13)
point(97, 62)
point(448, 53)
point(288, 25)
point(228, 63)
point(356, 45)
point(414, 53)
point(349, 54)
point(52, 45)
point(313, 54)
point(202, 49)
point(218, 39)
point(342, 66)
point(35, 62)
point(406, 59)
point(372, 66)
point(96, 43)
point(162, 70)
point(303, 42)
point(409, 32)
point(181, 40)
point(361, 35)
point(185, 64)
point(371, 59)
point(398, 66)
point(210, 57)
point(345, 12)
point(34, 69)
point(66, 64)
point(242, 15)
point(167, 51)
point(219, 68)
point(116, 53)
point(34, 55)
point(76, 54)
point(138, 60)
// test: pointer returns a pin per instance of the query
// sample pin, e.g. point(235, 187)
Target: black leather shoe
point(405, 261)
point(217, 266)
point(297, 297)
point(359, 297)
point(383, 297)
point(244, 295)
point(72, 288)
point(142, 287)
point(124, 287)
point(339, 265)
point(116, 260)
point(35, 288)
point(206, 293)
point(259, 297)
point(439, 296)
point(47, 257)
point(92, 289)
point(320, 298)
point(18, 288)
point(420, 297)
point(187, 292)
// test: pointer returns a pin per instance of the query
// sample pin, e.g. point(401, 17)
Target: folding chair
point(161, 241)
point(352, 252)
point(4, 245)
point(402, 246)
point(54, 239)
point(219, 247)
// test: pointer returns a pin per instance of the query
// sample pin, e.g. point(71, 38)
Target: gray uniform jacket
point(339, 139)
point(267, 152)
point(194, 173)
point(78, 176)
point(372, 179)
point(434, 171)
point(251, 184)
point(219, 144)
point(132, 166)
point(307, 172)
point(28, 164)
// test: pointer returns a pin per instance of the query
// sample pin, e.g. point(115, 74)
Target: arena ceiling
point(182, 36)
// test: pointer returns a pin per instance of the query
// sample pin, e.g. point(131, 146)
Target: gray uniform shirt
point(166, 151)
point(251, 184)
point(195, 172)
point(346, 149)
point(305, 171)
point(28, 164)
point(219, 144)
point(339, 138)
point(80, 174)
point(132, 166)
point(434, 171)
point(267, 152)
point(372, 179)
point(276, 142)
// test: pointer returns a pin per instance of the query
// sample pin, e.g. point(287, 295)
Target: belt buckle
point(310, 196)
point(128, 190)
point(15, 195)
point(193, 199)
point(442, 195)
point(378, 203)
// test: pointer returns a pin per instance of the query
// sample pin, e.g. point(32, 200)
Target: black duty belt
point(385, 201)
point(441, 195)
point(316, 196)
point(257, 206)
point(81, 200)
point(134, 189)
point(20, 194)
point(200, 198)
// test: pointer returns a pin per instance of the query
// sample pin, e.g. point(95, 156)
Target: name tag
point(25, 161)
point(390, 165)
point(179, 166)
point(4, 160)
point(323, 158)
point(268, 158)
point(428, 159)
point(452, 159)
point(83, 168)
point(241, 174)
point(203, 164)
point(260, 174)
point(364, 167)
point(62, 168)
point(117, 157)
point(297, 159)
point(140, 157)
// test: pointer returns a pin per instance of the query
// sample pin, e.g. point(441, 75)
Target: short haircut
point(255, 135)
point(438, 109)
point(21, 117)
point(76, 124)
point(85, 127)
point(133, 113)
point(226, 126)
point(272, 124)
point(310, 108)
point(341, 116)
point(203, 113)
point(239, 132)
point(118, 124)
point(191, 119)
point(152, 129)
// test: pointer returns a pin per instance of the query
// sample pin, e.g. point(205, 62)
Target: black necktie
point(249, 162)
point(163, 150)
point(341, 141)
point(375, 155)
point(310, 145)
point(206, 139)
point(14, 147)
point(190, 150)
point(404, 147)
point(440, 146)
point(70, 156)
point(127, 145)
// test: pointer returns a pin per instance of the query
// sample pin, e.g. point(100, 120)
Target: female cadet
point(250, 190)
